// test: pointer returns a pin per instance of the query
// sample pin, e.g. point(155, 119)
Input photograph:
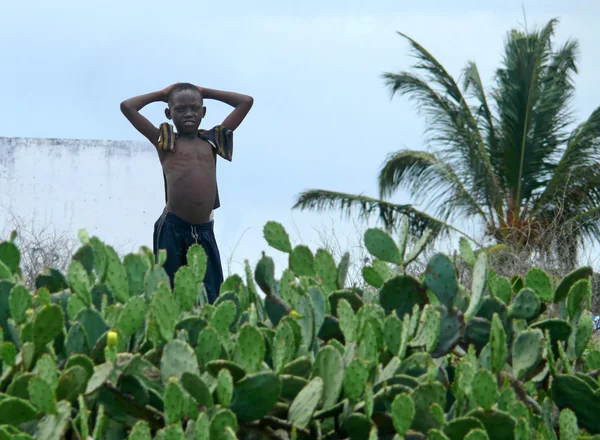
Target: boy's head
point(186, 107)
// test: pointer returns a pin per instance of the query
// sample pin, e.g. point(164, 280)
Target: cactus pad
point(403, 413)
point(132, 316)
point(563, 288)
point(572, 392)
point(539, 281)
point(177, 358)
point(264, 274)
point(466, 251)
point(255, 395)
point(116, 275)
point(79, 282)
point(305, 403)
point(502, 289)
point(527, 351)
point(343, 270)
point(526, 305)
point(250, 348)
point(458, 428)
point(498, 344)
point(424, 396)
point(355, 379)
point(140, 431)
point(197, 389)
point(302, 261)
point(452, 329)
point(401, 294)
point(329, 366)
point(440, 278)
point(41, 395)
point(382, 246)
point(48, 325)
point(578, 294)
point(485, 390)
point(186, 288)
point(277, 237)
point(19, 301)
point(173, 401)
point(428, 331)
point(165, 311)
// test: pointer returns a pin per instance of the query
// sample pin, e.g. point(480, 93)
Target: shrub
point(107, 350)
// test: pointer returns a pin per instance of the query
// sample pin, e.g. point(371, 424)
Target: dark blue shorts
point(175, 235)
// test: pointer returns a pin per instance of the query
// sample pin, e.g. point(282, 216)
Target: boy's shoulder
point(219, 136)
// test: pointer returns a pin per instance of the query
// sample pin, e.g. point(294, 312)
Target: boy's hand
point(165, 92)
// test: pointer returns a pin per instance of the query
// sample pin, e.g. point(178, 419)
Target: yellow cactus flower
point(112, 338)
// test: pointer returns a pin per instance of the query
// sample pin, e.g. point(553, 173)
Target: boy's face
point(186, 109)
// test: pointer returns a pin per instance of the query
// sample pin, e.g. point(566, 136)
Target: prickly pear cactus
point(109, 350)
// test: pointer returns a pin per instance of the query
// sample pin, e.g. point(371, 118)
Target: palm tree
point(505, 157)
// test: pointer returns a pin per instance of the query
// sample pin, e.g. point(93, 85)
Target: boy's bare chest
point(188, 153)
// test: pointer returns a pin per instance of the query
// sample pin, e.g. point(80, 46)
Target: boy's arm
point(242, 104)
point(131, 109)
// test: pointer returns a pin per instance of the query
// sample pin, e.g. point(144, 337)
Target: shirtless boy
point(188, 157)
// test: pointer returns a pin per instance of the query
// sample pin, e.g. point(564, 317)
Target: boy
point(188, 158)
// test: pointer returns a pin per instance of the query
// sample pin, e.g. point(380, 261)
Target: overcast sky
point(322, 117)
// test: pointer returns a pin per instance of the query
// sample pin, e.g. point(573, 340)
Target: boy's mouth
point(189, 123)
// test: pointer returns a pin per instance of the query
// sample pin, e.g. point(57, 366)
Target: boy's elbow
point(249, 101)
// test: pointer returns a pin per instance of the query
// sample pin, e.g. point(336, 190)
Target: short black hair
point(181, 87)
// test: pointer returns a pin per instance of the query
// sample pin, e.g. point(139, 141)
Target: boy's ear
point(203, 112)
point(168, 113)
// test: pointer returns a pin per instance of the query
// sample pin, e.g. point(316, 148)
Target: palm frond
point(366, 207)
point(529, 130)
point(472, 84)
point(452, 122)
point(578, 165)
point(430, 180)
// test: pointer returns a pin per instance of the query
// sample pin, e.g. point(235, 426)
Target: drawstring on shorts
point(194, 233)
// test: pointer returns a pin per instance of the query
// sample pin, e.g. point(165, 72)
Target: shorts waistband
point(178, 221)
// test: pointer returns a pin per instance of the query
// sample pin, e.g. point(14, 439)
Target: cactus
point(48, 324)
point(403, 413)
point(173, 401)
point(498, 344)
point(452, 330)
point(116, 275)
point(526, 305)
point(485, 390)
point(197, 260)
point(41, 395)
point(302, 261)
point(329, 366)
point(539, 281)
point(372, 277)
point(343, 267)
point(502, 289)
point(250, 348)
point(177, 358)
point(140, 431)
point(480, 273)
point(255, 395)
point(305, 403)
point(424, 396)
point(186, 288)
point(355, 379)
point(165, 310)
point(440, 278)
point(578, 294)
point(392, 333)
point(466, 251)
point(132, 316)
point(527, 351)
point(19, 302)
point(326, 270)
point(277, 237)
point(428, 332)
point(382, 246)
point(143, 360)
point(401, 294)
point(222, 420)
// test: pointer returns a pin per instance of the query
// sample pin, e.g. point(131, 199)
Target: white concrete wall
point(114, 189)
